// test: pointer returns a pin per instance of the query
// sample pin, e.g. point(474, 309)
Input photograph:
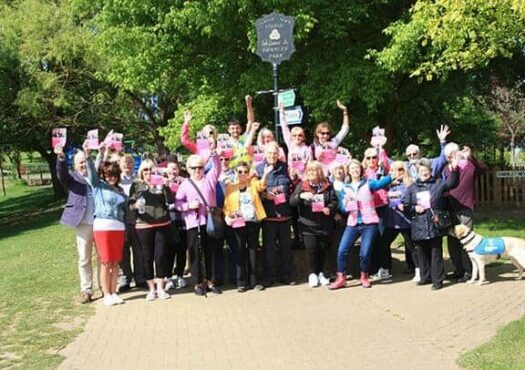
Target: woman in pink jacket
point(356, 199)
point(195, 196)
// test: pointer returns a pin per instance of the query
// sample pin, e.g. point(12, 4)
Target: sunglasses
point(197, 167)
point(324, 133)
point(225, 159)
point(242, 172)
point(374, 157)
point(412, 154)
point(146, 170)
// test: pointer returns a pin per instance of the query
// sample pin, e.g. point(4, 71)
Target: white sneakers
point(323, 280)
point(317, 280)
point(151, 296)
point(181, 283)
point(169, 284)
point(313, 280)
point(162, 294)
point(382, 274)
point(417, 276)
point(112, 299)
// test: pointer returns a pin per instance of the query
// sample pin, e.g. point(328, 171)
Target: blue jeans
point(368, 233)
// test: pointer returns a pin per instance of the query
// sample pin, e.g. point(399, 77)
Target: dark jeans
point(458, 255)
point(246, 242)
point(155, 242)
point(431, 260)
point(200, 247)
point(273, 232)
point(367, 233)
point(316, 248)
point(131, 245)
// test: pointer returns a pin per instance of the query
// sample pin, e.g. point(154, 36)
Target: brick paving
point(394, 325)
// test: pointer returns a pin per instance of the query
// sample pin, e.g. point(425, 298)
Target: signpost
point(293, 115)
point(275, 45)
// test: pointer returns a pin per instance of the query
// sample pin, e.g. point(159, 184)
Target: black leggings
point(196, 258)
point(155, 243)
point(316, 248)
point(246, 242)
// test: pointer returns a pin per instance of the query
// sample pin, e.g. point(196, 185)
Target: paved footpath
point(394, 325)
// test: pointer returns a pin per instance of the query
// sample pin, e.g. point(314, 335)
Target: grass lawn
point(505, 351)
point(38, 280)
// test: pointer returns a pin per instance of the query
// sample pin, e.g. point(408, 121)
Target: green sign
point(286, 98)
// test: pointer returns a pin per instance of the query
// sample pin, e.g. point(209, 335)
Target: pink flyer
point(92, 138)
point(58, 137)
point(423, 199)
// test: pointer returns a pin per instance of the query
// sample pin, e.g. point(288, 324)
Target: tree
point(49, 82)
point(508, 104)
point(438, 37)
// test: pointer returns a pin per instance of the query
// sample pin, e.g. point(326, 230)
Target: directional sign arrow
point(294, 115)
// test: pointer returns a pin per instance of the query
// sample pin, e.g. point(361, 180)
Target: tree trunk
point(51, 160)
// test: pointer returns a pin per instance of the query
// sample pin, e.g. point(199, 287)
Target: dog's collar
point(468, 237)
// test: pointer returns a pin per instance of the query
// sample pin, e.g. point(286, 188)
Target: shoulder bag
point(214, 222)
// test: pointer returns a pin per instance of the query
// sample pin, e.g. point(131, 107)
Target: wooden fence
point(495, 193)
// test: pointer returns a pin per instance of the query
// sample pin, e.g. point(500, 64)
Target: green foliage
point(442, 36)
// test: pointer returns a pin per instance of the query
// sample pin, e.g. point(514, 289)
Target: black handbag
point(442, 219)
point(214, 221)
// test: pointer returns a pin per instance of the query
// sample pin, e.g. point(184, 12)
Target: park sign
point(294, 115)
point(286, 98)
point(275, 38)
point(511, 174)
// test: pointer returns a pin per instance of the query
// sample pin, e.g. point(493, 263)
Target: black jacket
point(422, 226)
point(315, 223)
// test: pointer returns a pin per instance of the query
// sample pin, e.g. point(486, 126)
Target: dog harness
point(490, 246)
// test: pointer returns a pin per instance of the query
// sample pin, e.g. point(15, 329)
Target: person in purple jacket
point(462, 201)
point(195, 196)
point(78, 214)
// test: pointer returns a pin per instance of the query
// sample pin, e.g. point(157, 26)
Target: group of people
point(145, 225)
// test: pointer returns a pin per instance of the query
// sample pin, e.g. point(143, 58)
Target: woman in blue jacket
point(109, 223)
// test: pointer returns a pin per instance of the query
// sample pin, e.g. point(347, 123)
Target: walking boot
point(364, 280)
point(339, 282)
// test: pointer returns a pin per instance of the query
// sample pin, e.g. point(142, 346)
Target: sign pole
point(276, 99)
point(275, 45)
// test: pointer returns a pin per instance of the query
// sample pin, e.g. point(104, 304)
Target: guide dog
point(482, 250)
